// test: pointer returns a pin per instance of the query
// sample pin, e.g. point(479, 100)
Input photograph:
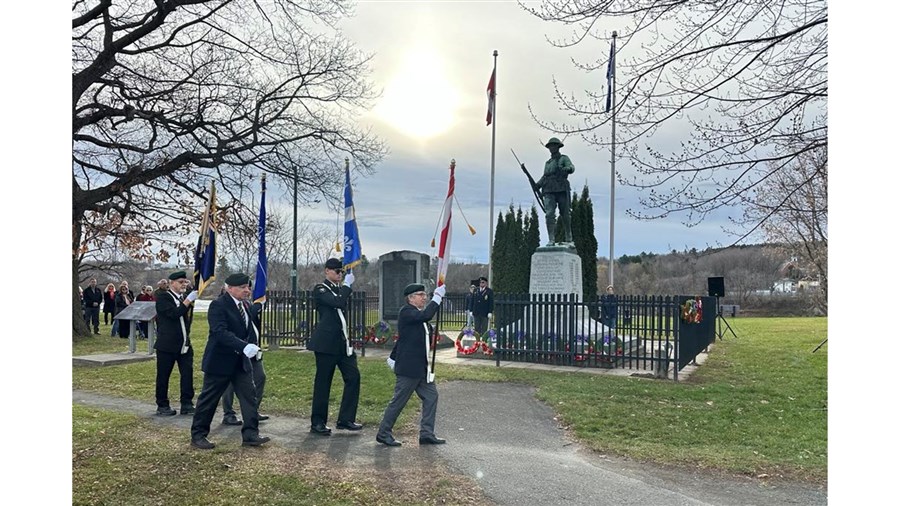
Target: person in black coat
point(92, 297)
point(124, 298)
point(259, 375)
point(410, 357)
point(609, 308)
point(109, 303)
point(173, 344)
point(232, 343)
point(331, 343)
point(483, 306)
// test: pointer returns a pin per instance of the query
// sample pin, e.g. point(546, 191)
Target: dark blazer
point(483, 303)
point(92, 297)
point(169, 312)
point(410, 351)
point(328, 336)
point(228, 335)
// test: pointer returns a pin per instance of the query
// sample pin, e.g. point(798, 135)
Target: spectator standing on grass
point(124, 298)
point(109, 304)
point(92, 298)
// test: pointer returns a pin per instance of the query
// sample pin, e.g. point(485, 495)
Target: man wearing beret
point(331, 343)
point(232, 343)
point(173, 344)
point(259, 374)
point(554, 186)
point(410, 356)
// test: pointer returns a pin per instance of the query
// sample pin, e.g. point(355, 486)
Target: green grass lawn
point(758, 405)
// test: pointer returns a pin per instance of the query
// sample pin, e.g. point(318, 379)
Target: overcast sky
point(432, 62)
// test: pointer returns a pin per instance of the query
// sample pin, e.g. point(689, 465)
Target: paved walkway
point(510, 444)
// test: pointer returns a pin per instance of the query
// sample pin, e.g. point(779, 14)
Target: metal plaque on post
point(144, 311)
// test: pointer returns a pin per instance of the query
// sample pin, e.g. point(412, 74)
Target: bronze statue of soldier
point(555, 190)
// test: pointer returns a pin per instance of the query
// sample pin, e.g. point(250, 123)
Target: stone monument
point(396, 270)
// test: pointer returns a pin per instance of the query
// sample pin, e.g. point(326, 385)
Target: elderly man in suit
point(410, 357)
point(173, 344)
point(232, 343)
point(331, 343)
point(259, 375)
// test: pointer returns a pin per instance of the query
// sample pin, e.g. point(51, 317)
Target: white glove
point(391, 362)
point(468, 313)
point(349, 279)
point(441, 290)
point(250, 350)
point(490, 316)
point(192, 296)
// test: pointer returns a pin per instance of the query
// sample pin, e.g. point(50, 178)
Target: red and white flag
point(491, 94)
point(446, 230)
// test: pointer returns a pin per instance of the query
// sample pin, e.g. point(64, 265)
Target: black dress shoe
point(320, 428)
point(202, 443)
point(187, 409)
point(256, 441)
point(165, 411)
point(232, 420)
point(263, 417)
point(431, 440)
point(388, 440)
point(349, 426)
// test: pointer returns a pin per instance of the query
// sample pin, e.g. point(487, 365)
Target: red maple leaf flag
point(491, 94)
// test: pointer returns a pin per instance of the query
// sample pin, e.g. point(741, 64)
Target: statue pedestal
point(556, 270)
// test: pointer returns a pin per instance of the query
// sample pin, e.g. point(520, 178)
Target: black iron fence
point(289, 321)
point(651, 333)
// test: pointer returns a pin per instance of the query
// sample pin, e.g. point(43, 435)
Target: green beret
point(413, 288)
point(178, 275)
point(237, 279)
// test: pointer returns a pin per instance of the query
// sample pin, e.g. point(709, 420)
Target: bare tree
point(169, 94)
point(793, 207)
point(746, 81)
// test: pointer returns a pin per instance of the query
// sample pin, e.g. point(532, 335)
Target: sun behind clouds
point(419, 100)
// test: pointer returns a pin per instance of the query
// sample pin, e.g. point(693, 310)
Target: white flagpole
point(493, 146)
point(612, 171)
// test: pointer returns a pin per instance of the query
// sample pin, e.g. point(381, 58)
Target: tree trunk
point(80, 329)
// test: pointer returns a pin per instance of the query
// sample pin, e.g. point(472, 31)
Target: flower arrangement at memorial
point(584, 347)
point(489, 342)
point(692, 310)
point(381, 332)
point(465, 333)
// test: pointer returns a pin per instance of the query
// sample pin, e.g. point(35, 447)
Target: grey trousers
point(403, 389)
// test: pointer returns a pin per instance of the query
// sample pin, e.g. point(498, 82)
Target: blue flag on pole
point(610, 73)
point(262, 277)
point(352, 248)
point(205, 254)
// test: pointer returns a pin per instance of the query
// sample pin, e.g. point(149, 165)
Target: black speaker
point(716, 286)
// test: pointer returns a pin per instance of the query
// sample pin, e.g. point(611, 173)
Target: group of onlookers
point(112, 301)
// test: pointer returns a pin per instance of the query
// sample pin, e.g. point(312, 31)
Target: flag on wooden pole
point(205, 253)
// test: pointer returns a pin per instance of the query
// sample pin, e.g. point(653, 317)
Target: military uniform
point(554, 185)
point(329, 344)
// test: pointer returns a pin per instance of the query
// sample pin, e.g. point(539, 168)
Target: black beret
point(413, 288)
point(237, 279)
point(334, 264)
point(178, 275)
